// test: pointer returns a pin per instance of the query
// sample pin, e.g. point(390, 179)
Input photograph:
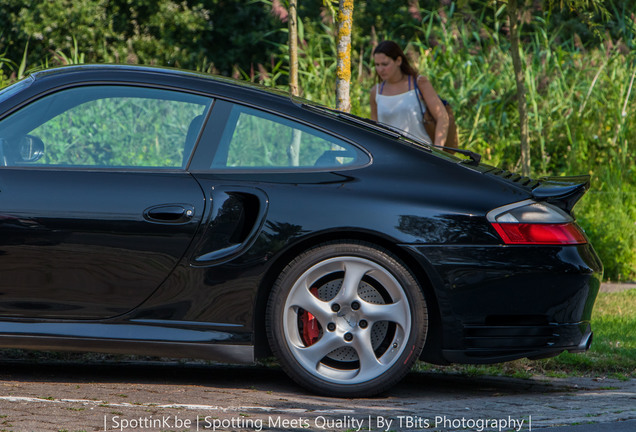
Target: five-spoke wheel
point(347, 319)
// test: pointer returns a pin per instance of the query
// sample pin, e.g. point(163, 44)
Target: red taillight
point(535, 223)
point(540, 234)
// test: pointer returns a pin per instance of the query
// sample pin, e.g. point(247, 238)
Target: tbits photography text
point(319, 423)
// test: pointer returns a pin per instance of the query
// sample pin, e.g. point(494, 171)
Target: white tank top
point(402, 111)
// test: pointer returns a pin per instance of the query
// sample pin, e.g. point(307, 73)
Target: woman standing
point(395, 100)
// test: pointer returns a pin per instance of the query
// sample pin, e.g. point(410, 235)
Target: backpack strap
point(381, 87)
point(419, 96)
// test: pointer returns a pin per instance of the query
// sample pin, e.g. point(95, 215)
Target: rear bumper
point(496, 344)
point(500, 303)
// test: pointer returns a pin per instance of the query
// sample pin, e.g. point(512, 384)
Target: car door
point(96, 206)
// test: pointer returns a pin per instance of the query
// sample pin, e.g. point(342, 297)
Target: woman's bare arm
point(374, 105)
point(436, 108)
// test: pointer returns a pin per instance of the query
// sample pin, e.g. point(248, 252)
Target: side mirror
point(31, 148)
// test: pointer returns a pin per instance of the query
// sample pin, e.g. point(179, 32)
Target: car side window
point(103, 127)
point(253, 139)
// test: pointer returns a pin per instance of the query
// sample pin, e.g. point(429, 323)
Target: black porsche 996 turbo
point(160, 212)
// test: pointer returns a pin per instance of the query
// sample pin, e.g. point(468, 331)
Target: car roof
point(153, 70)
point(228, 87)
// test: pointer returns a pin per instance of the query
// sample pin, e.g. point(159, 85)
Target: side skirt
point(236, 354)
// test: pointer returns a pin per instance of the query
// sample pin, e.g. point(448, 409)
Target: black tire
point(346, 319)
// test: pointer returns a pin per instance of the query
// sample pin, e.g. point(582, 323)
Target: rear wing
point(563, 192)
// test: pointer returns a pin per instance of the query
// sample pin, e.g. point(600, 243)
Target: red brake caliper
point(311, 328)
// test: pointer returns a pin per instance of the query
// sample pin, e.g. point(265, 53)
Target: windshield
point(9, 91)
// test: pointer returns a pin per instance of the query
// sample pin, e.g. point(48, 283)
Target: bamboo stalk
point(293, 48)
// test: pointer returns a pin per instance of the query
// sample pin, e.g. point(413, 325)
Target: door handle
point(169, 213)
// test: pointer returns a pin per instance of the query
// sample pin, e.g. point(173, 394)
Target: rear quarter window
point(254, 139)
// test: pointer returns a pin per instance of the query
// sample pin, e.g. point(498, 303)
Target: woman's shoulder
point(374, 90)
point(422, 79)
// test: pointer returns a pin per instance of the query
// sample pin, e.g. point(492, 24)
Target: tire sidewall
point(412, 292)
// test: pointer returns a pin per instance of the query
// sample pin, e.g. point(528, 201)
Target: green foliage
point(608, 215)
point(170, 33)
point(192, 34)
point(4, 71)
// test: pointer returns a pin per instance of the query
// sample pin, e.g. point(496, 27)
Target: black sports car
point(160, 212)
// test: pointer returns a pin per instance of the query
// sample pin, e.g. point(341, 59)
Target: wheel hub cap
point(347, 319)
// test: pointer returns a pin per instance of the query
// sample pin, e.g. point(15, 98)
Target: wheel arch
point(261, 344)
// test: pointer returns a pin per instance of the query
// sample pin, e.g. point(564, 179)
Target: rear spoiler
point(563, 192)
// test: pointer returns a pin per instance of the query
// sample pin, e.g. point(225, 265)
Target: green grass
point(612, 354)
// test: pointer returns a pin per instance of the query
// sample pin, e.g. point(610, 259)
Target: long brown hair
point(393, 50)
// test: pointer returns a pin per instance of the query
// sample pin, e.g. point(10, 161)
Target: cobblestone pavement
point(177, 397)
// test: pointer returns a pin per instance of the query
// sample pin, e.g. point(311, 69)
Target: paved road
point(617, 287)
point(188, 397)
